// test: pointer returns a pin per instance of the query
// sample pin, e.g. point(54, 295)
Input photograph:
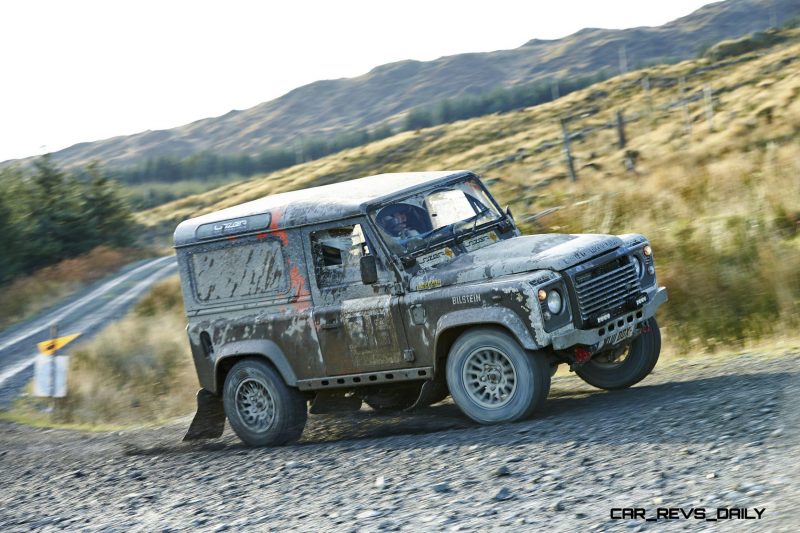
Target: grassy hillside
point(389, 91)
point(719, 198)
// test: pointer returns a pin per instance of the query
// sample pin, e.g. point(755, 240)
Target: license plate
point(620, 336)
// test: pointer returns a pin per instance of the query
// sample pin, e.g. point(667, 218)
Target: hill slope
point(710, 175)
point(388, 91)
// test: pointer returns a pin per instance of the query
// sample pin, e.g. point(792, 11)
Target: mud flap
point(433, 390)
point(209, 420)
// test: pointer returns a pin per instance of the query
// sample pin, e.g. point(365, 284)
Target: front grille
point(606, 287)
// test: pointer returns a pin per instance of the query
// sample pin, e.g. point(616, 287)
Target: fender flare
point(261, 348)
point(486, 316)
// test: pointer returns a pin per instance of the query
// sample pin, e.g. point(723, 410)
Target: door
point(359, 326)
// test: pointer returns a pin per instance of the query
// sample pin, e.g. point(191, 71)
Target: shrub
point(30, 294)
point(138, 370)
point(750, 43)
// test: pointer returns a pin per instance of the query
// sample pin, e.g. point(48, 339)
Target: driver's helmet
point(394, 219)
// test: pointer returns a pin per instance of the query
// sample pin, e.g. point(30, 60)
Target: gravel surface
point(714, 434)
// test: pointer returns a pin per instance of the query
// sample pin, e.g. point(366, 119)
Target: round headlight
point(637, 265)
point(554, 302)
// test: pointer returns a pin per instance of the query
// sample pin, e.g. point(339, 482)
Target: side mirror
point(508, 212)
point(369, 270)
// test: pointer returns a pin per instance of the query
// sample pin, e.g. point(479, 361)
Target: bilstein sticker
point(467, 299)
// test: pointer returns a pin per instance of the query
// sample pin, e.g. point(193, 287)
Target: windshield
point(418, 222)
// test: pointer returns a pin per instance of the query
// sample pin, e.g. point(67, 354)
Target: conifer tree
point(108, 217)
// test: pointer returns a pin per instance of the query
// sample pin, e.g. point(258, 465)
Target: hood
point(515, 256)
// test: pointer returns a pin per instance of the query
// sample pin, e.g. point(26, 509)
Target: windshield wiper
point(475, 222)
point(431, 240)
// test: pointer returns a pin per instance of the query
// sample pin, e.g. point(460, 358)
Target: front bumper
point(594, 337)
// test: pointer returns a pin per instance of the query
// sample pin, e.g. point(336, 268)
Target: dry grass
point(139, 369)
point(26, 296)
point(721, 206)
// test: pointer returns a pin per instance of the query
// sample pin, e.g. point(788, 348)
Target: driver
point(395, 222)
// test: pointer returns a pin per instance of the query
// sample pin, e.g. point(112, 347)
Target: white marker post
point(50, 369)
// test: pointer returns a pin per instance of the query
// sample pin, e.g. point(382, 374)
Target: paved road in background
point(86, 313)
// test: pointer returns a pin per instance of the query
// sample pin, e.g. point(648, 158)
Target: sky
point(76, 71)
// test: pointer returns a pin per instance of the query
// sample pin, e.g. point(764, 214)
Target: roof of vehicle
point(313, 205)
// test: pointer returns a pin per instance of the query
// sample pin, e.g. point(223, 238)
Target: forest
point(48, 214)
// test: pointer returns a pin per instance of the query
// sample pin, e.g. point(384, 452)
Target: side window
point(337, 255)
point(247, 271)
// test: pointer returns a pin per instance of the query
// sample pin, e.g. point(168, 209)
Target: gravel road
point(697, 433)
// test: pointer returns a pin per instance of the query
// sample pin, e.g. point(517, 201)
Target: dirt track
point(695, 434)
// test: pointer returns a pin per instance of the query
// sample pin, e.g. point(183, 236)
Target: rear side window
point(244, 271)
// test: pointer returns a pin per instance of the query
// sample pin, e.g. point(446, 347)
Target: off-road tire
point(531, 374)
point(249, 380)
point(641, 359)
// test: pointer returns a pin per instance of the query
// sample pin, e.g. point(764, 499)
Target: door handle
point(330, 324)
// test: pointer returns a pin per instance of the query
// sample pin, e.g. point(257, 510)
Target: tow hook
point(645, 328)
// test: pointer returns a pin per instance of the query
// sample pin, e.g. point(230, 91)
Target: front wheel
point(625, 369)
point(493, 379)
point(261, 408)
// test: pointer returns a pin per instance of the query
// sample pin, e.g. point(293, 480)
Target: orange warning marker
point(50, 347)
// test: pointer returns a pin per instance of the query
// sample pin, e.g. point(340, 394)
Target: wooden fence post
point(621, 128)
point(567, 152)
point(708, 96)
point(687, 120)
point(647, 97)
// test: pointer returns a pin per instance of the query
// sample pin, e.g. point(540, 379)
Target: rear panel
point(249, 288)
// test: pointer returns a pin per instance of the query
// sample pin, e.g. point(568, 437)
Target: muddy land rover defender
point(397, 290)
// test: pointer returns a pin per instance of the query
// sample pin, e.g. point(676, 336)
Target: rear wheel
point(493, 379)
point(261, 408)
point(612, 371)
